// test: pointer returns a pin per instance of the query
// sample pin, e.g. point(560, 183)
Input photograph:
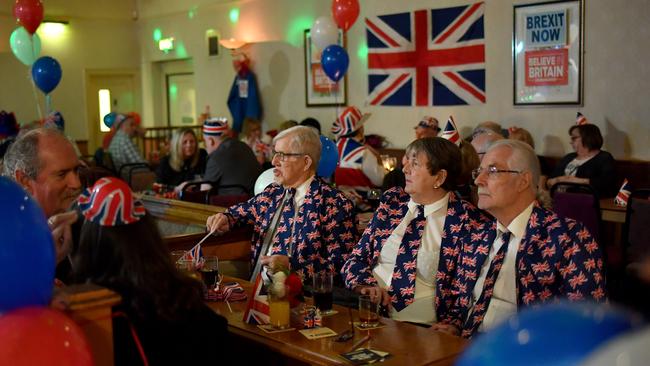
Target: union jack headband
point(428, 122)
point(110, 202)
point(350, 120)
point(215, 126)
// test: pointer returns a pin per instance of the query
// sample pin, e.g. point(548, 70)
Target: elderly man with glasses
point(529, 256)
point(299, 221)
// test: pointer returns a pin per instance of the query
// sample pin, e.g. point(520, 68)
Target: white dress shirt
point(504, 296)
point(422, 310)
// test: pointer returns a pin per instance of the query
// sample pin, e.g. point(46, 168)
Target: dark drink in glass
point(210, 277)
point(323, 300)
point(322, 289)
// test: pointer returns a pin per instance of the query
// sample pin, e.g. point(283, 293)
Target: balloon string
point(38, 105)
point(48, 104)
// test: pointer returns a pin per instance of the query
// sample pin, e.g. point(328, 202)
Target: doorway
point(109, 91)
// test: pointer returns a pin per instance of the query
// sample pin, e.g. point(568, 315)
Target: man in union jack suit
point(529, 256)
point(407, 256)
point(303, 223)
point(359, 167)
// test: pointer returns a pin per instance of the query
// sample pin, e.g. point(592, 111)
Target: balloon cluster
point(26, 45)
point(324, 35)
point(30, 333)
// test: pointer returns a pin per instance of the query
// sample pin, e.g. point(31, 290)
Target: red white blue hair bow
point(110, 202)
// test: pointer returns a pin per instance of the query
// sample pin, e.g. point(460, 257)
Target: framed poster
point(547, 53)
point(320, 90)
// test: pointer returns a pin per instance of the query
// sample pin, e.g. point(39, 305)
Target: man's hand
point(377, 294)
point(275, 262)
point(218, 224)
point(61, 233)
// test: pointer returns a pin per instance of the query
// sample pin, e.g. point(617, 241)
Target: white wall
point(100, 35)
point(616, 91)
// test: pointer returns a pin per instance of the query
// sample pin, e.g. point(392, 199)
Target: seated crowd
point(458, 243)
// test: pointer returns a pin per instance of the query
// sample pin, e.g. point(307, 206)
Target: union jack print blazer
point(324, 232)
point(462, 219)
point(557, 259)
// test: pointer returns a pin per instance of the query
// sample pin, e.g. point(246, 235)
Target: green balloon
point(25, 47)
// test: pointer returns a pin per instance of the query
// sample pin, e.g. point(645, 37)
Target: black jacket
point(600, 170)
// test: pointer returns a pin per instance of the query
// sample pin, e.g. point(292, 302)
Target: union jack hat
point(215, 126)
point(428, 122)
point(110, 202)
point(451, 132)
point(581, 119)
point(350, 120)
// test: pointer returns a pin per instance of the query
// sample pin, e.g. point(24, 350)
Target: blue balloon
point(109, 119)
point(27, 257)
point(329, 157)
point(335, 61)
point(46, 73)
point(557, 334)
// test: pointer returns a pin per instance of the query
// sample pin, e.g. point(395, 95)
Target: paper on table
point(317, 333)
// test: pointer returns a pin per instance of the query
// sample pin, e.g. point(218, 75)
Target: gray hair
point(523, 158)
point(303, 139)
point(23, 153)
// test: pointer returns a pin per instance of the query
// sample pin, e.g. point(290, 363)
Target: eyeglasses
point(492, 171)
point(282, 156)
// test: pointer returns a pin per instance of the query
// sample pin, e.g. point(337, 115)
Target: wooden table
point(611, 212)
point(408, 344)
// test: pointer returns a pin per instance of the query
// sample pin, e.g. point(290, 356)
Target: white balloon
point(626, 350)
point(324, 32)
point(263, 181)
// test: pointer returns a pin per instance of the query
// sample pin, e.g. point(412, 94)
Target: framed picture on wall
point(320, 90)
point(547, 49)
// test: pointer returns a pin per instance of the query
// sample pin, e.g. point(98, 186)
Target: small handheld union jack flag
point(623, 194)
point(195, 255)
point(450, 132)
point(257, 310)
point(110, 202)
point(580, 119)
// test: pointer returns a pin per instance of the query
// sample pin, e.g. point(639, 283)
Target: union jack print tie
point(402, 286)
point(283, 237)
point(480, 308)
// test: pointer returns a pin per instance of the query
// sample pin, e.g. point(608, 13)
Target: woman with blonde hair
point(185, 160)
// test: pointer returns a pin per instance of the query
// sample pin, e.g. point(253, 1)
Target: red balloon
point(42, 336)
point(29, 14)
point(345, 13)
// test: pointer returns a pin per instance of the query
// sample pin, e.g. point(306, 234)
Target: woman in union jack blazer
point(528, 256)
point(407, 256)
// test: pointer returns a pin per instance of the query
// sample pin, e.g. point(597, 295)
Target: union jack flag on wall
point(427, 57)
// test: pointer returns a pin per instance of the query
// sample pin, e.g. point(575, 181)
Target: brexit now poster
point(547, 53)
point(432, 57)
